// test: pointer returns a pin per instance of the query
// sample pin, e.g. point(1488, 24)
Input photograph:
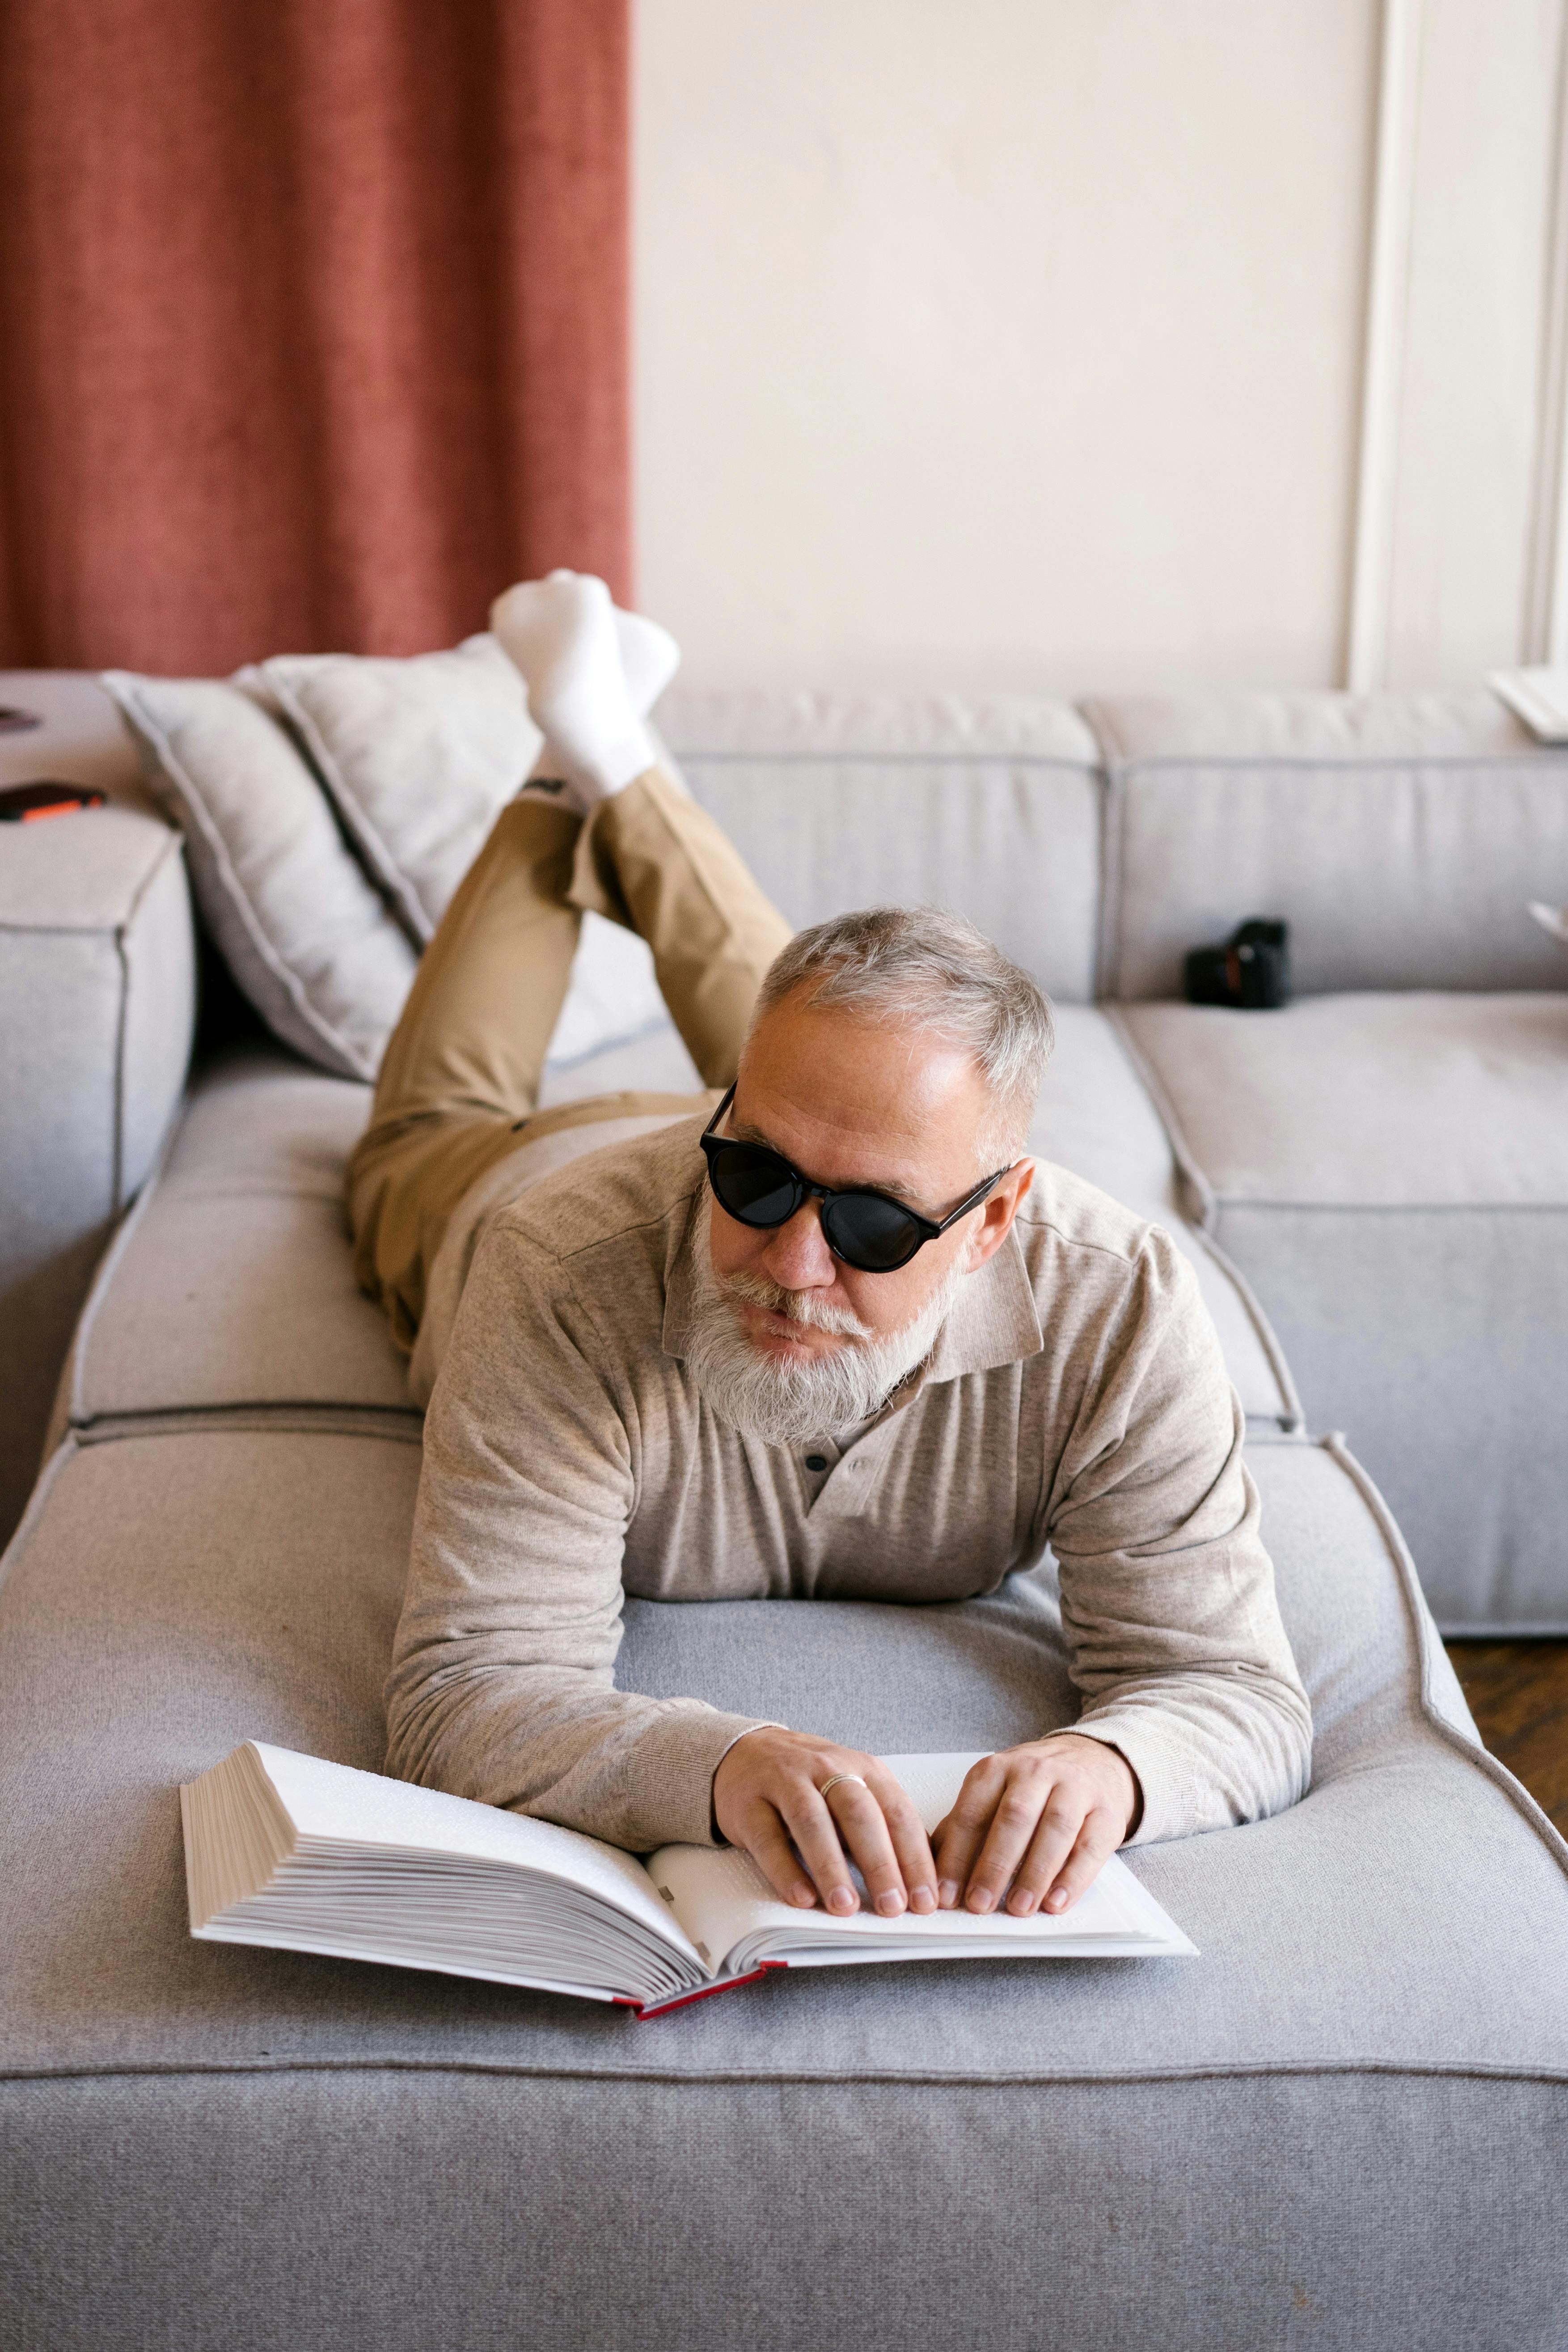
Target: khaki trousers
point(459, 1083)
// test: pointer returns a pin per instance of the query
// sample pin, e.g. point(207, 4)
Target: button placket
point(848, 1487)
point(819, 1461)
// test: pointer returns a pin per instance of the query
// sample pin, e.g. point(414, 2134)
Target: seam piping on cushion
point(1394, 762)
point(175, 848)
point(63, 1412)
point(81, 1338)
point(1293, 1418)
point(1290, 2069)
point(1531, 1629)
point(1079, 764)
point(1097, 717)
point(1108, 943)
point(401, 1424)
point(117, 1113)
point(1239, 1202)
point(1180, 1149)
point(1108, 930)
point(1420, 1619)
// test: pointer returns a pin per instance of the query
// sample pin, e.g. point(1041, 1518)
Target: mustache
point(803, 1306)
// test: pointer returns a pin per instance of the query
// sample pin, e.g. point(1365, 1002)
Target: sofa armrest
point(96, 1013)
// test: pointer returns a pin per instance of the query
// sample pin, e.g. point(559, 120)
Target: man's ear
point(998, 1212)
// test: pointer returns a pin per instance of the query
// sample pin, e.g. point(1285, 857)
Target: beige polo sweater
point(1076, 1398)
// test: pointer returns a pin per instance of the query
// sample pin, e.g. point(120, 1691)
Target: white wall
point(1021, 342)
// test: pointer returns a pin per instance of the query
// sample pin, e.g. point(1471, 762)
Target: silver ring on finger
point(833, 1778)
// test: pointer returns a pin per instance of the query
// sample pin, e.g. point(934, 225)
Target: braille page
point(734, 1918)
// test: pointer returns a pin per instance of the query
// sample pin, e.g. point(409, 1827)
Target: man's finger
point(911, 1847)
point(1053, 1842)
point(816, 1833)
point(1028, 1808)
point(961, 1835)
point(767, 1842)
point(863, 1826)
point(1097, 1842)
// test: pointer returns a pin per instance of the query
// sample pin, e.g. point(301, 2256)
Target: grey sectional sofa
point(1346, 2124)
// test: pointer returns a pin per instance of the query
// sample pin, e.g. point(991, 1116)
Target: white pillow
point(419, 756)
point(311, 943)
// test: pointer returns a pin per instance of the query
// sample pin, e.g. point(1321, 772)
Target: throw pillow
point(307, 937)
point(419, 756)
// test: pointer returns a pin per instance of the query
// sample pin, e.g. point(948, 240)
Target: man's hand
point(765, 1796)
point(1044, 1817)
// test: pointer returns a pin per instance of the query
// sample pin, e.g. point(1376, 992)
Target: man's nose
point(797, 1256)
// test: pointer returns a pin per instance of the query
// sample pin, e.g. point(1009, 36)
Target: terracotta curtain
point(312, 321)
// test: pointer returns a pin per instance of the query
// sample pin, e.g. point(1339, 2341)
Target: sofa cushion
point(990, 806)
point(1380, 1969)
point(1400, 836)
point(232, 1283)
point(98, 983)
point(1391, 1174)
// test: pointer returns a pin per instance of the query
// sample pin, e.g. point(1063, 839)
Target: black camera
point(1251, 972)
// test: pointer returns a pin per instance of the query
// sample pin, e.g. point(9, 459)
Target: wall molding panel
point(1461, 522)
point(1546, 595)
point(1388, 313)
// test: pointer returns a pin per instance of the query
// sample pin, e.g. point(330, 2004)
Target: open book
point(305, 1856)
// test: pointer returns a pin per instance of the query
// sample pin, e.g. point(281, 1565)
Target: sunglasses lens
point(870, 1232)
point(756, 1186)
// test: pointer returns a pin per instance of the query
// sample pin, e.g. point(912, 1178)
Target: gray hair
point(922, 967)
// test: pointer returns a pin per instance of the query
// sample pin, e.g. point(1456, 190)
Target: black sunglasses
point(870, 1231)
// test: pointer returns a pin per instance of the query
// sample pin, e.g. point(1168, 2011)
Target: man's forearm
point(561, 1744)
point(1209, 1750)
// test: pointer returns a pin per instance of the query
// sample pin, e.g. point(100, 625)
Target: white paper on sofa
point(298, 1855)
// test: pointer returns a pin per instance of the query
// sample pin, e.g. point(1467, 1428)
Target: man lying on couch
point(826, 1333)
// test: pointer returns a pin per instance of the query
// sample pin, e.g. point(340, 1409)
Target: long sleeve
point(502, 1681)
point(1168, 1603)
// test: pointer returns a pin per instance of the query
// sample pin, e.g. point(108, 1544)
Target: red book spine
point(641, 2010)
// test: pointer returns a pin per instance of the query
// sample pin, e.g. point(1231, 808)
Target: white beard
point(786, 1404)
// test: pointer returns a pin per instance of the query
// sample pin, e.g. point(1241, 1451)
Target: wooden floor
point(1518, 1693)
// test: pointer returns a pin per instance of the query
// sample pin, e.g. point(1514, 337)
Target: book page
point(734, 1918)
point(335, 1805)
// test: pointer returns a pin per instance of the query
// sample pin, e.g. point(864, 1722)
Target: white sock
point(650, 658)
point(563, 635)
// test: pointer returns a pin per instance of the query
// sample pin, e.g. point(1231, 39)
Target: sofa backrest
point(991, 806)
point(1400, 837)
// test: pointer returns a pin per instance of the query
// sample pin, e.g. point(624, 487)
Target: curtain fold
point(313, 320)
